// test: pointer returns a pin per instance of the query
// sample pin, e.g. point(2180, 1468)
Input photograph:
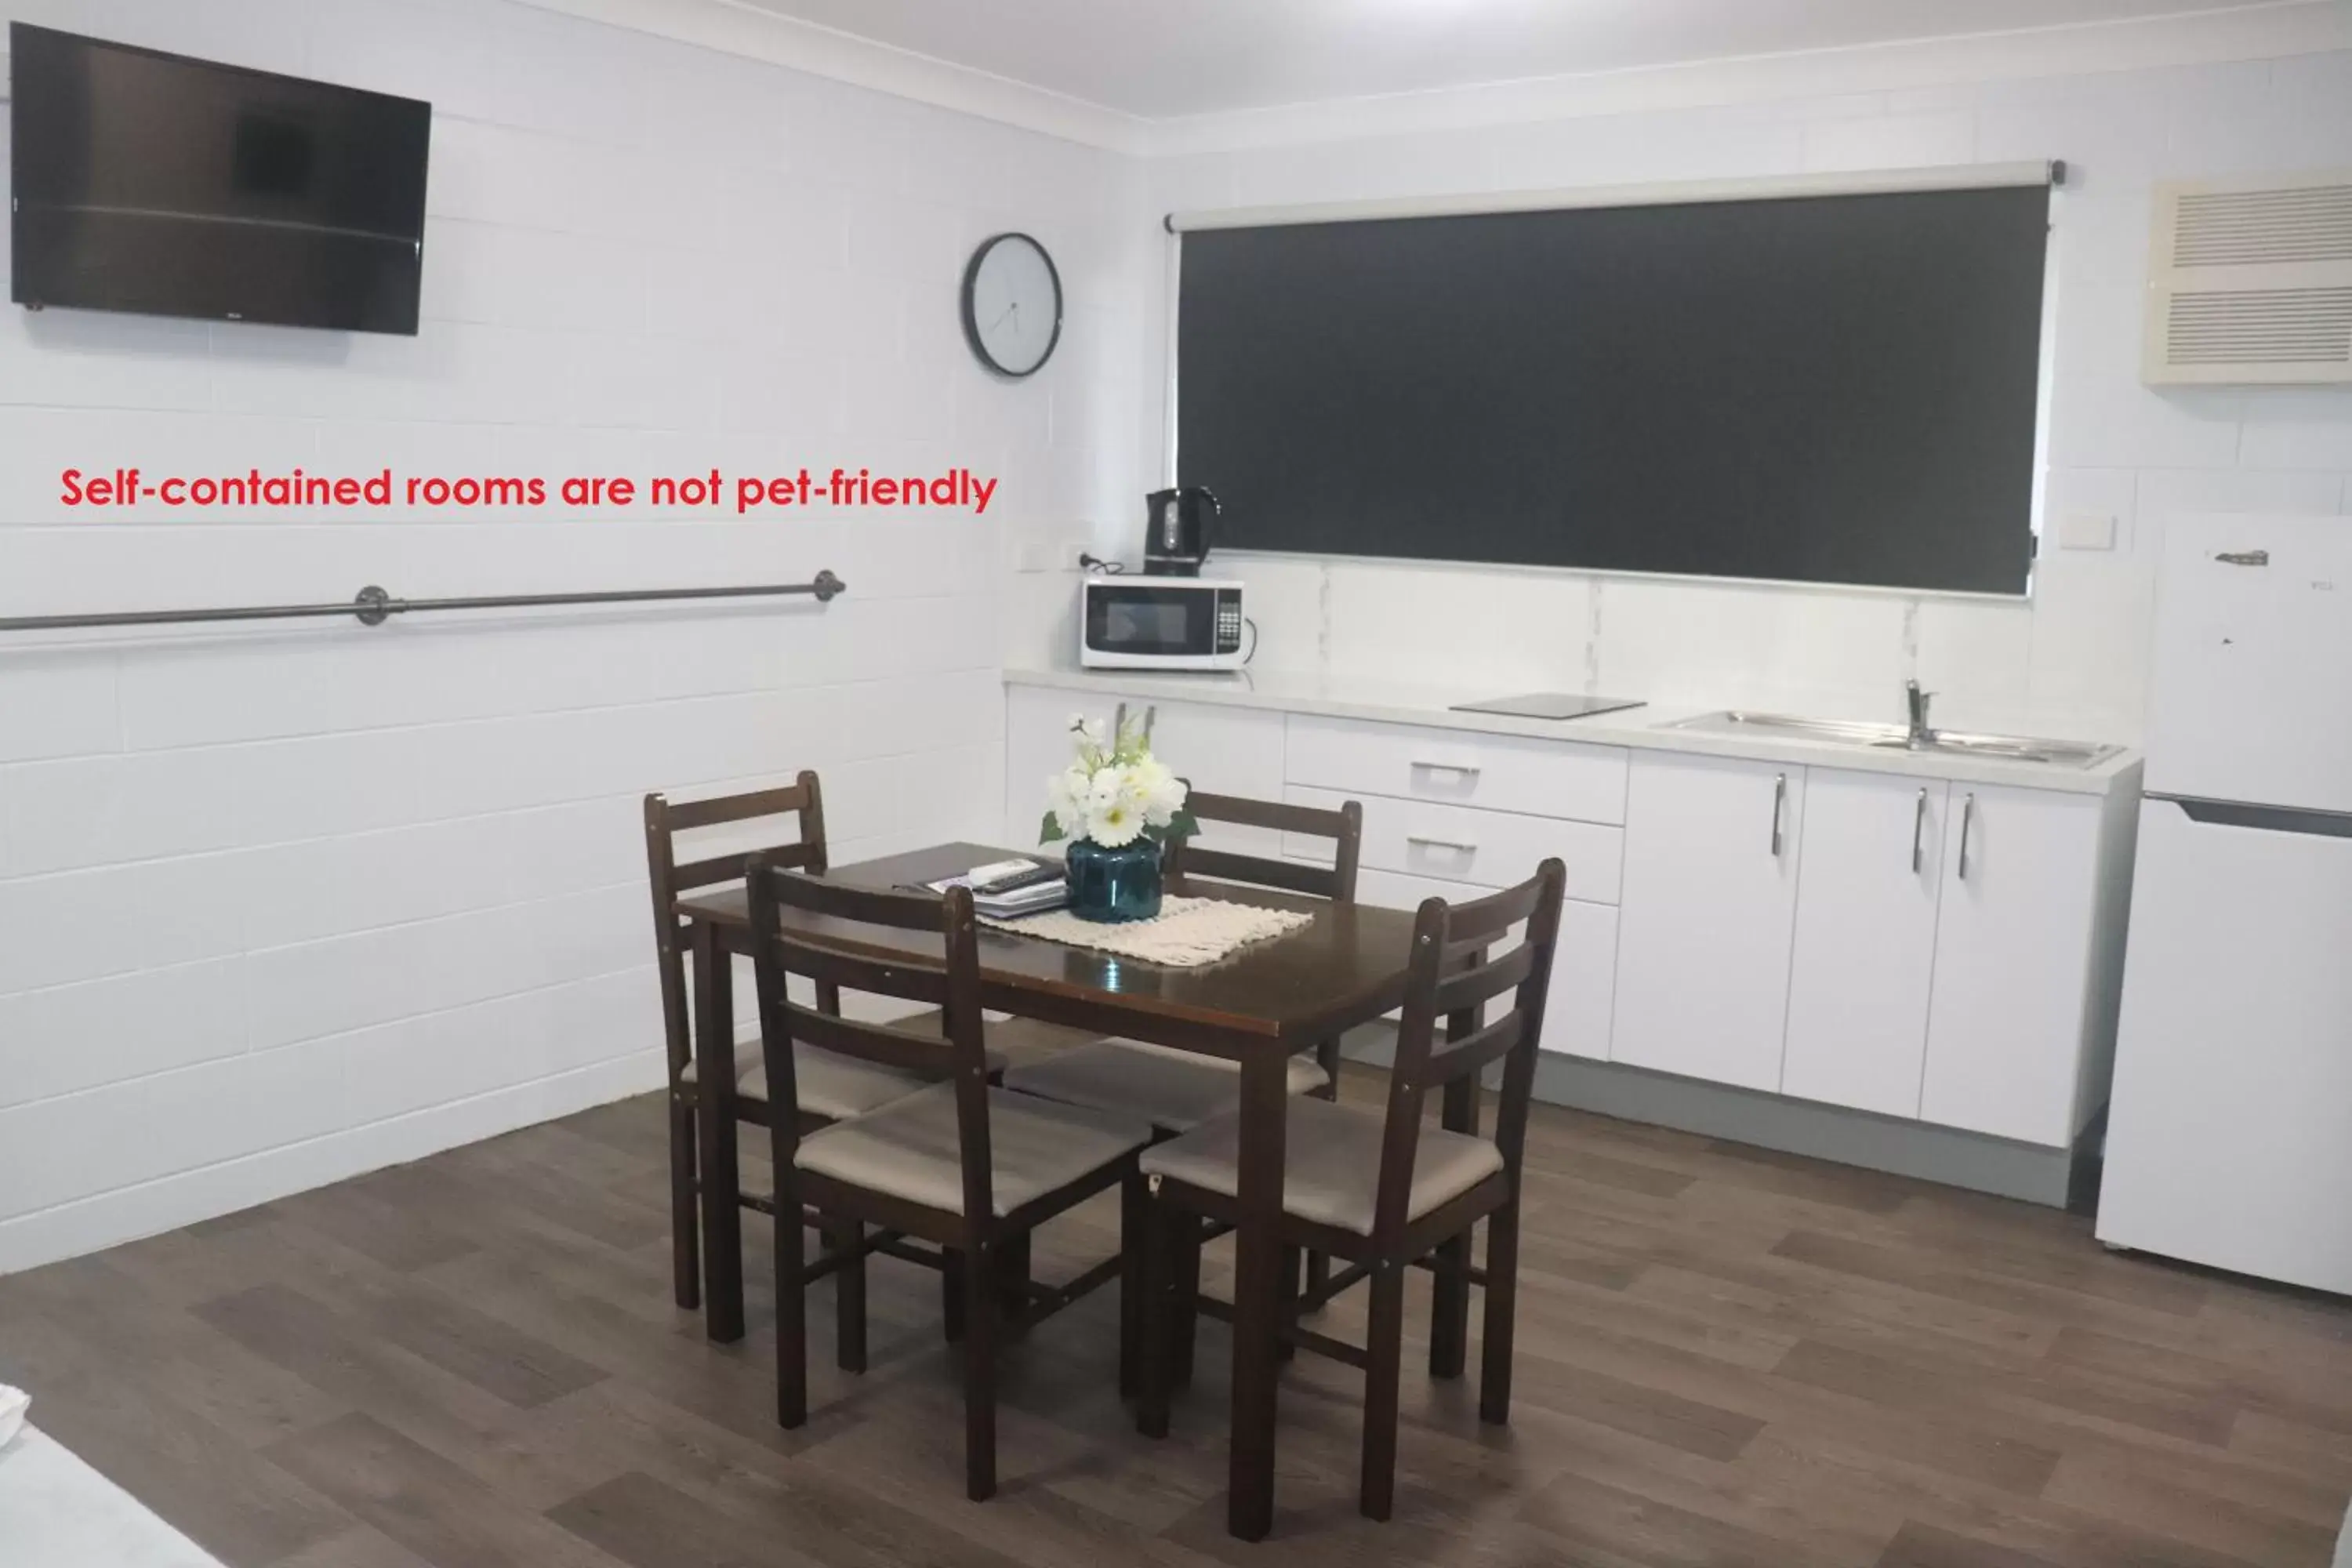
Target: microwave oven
point(1160, 623)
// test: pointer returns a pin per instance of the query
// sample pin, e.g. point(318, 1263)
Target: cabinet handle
point(1466, 770)
point(1456, 845)
point(1918, 827)
point(1780, 800)
point(1968, 820)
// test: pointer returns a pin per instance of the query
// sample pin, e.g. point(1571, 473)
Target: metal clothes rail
point(372, 605)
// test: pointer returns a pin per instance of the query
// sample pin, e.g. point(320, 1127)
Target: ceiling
point(1166, 58)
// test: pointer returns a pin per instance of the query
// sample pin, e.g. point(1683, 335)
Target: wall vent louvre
point(2252, 281)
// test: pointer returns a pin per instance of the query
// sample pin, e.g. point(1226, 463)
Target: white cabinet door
point(1228, 751)
point(2012, 961)
point(1865, 949)
point(1708, 913)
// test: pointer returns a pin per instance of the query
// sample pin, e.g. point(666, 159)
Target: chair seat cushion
point(1013, 1043)
point(911, 1148)
point(831, 1085)
point(1174, 1090)
point(1331, 1163)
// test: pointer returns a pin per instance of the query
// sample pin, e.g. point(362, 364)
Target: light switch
point(2086, 531)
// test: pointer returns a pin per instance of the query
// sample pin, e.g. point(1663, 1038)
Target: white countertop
point(1389, 704)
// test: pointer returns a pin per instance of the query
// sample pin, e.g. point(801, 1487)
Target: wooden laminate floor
point(1726, 1357)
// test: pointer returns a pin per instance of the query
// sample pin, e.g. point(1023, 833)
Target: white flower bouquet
point(1115, 791)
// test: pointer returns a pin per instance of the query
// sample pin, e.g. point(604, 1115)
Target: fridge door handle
point(2264, 818)
point(1968, 821)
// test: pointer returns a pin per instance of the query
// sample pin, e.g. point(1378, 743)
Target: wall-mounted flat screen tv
point(172, 186)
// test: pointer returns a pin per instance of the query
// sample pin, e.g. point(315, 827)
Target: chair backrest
point(665, 820)
point(785, 906)
point(1453, 976)
point(1344, 827)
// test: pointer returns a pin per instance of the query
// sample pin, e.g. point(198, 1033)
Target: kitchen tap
point(1921, 737)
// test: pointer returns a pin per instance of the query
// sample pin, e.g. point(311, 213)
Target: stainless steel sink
point(1897, 738)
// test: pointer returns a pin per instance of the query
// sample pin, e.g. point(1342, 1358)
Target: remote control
point(1006, 877)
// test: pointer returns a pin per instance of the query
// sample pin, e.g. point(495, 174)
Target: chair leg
point(792, 1312)
point(1449, 1307)
point(1012, 1284)
point(1134, 1216)
point(1326, 1056)
point(849, 1296)
point(1291, 1259)
point(1502, 1311)
point(1383, 1353)
point(951, 1295)
point(1158, 1239)
point(1184, 1303)
point(982, 1292)
point(684, 1213)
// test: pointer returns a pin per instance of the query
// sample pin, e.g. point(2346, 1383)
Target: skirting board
point(127, 1213)
point(1946, 1154)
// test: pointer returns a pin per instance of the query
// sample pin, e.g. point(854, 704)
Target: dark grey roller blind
point(1831, 389)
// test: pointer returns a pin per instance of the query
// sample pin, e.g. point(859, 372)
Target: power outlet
point(1050, 553)
point(2085, 530)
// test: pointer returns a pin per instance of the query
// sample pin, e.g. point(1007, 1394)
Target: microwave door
point(1138, 626)
point(1150, 623)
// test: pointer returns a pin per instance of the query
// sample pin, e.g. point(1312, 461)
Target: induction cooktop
point(1549, 705)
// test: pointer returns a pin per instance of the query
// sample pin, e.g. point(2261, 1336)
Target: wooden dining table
point(1257, 1007)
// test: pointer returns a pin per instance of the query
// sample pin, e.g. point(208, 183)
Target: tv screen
point(172, 186)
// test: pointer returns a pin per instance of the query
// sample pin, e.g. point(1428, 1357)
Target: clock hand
point(1011, 309)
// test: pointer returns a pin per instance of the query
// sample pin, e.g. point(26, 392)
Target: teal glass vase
point(1113, 885)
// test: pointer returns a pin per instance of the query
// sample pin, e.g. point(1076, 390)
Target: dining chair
point(1175, 1090)
point(670, 879)
point(828, 1087)
point(1379, 1190)
point(966, 1165)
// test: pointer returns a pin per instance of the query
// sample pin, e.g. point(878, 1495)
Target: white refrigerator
point(2229, 1131)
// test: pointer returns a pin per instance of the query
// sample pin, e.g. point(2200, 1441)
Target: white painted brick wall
point(2072, 661)
point(280, 904)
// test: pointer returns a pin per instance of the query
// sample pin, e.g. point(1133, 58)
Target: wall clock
point(1012, 305)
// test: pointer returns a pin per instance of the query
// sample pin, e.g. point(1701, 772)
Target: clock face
point(1011, 304)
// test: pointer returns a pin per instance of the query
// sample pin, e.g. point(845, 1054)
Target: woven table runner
point(1185, 934)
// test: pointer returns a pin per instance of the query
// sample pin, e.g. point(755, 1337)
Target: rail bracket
point(372, 605)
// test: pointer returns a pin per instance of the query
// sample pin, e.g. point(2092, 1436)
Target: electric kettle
point(1177, 529)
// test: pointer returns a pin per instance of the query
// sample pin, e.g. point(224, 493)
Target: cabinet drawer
point(1499, 773)
point(1578, 1009)
point(1484, 848)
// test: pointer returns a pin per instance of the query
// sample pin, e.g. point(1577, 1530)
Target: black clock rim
point(972, 326)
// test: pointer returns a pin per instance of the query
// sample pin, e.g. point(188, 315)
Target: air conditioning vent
point(2265, 326)
point(2252, 281)
point(2251, 228)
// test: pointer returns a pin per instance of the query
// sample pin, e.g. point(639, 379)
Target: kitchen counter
point(1643, 728)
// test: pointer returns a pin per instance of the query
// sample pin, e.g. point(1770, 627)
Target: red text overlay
point(956, 489)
